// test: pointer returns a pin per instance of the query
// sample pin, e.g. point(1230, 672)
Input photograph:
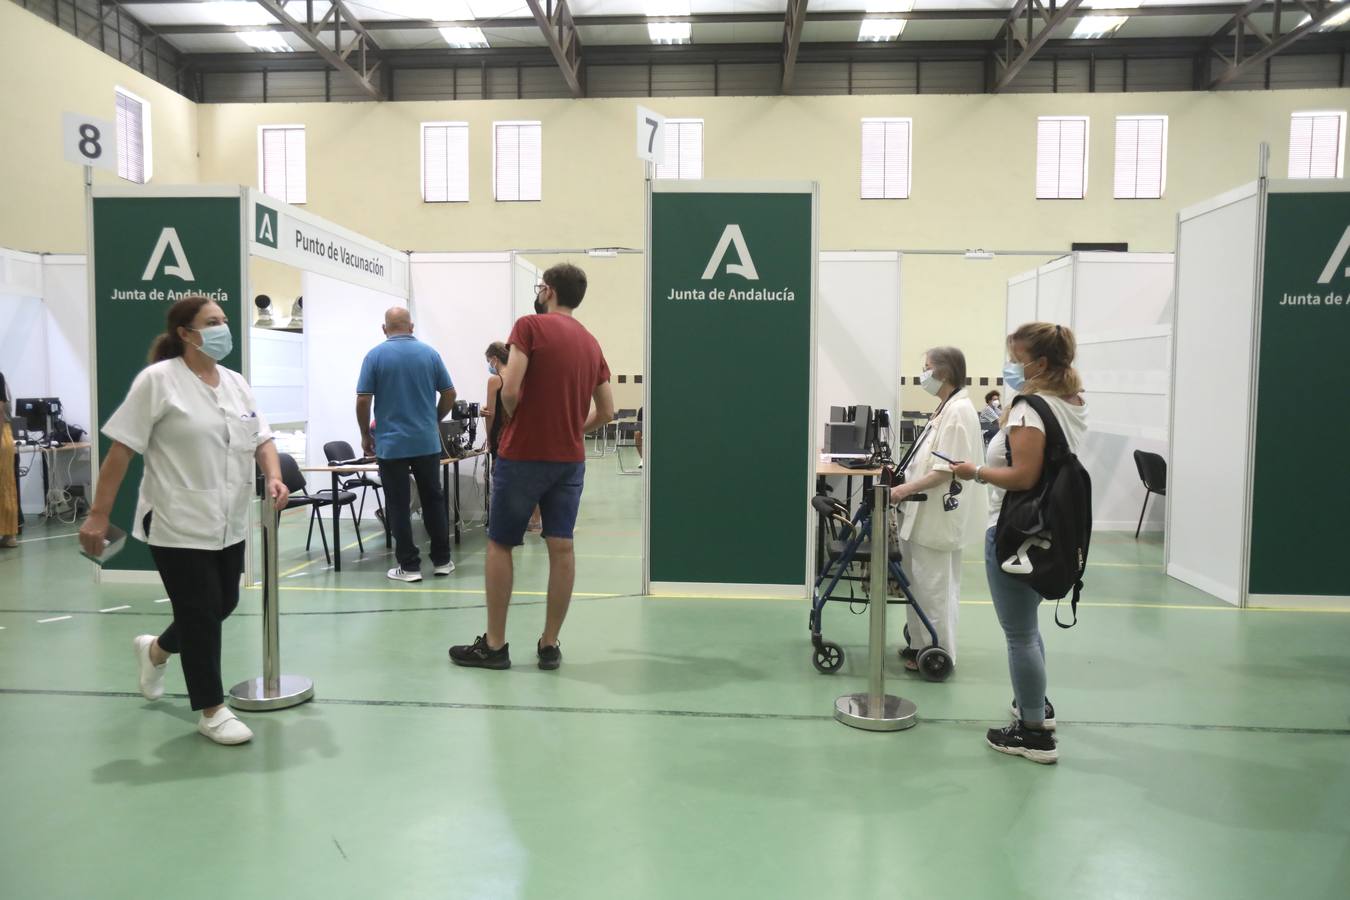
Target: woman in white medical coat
point(933, 532)
point(197, 426)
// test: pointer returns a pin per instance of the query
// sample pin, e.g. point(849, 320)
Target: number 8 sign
point(89, 141)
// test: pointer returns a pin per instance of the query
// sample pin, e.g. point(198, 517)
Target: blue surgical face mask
point(1013, 376)
point(929, 382)
point(492, 368)
point(217, 342)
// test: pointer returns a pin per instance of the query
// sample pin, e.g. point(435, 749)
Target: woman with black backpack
point(1041, 366)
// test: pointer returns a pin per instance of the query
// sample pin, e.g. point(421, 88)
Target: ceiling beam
point(793, 21)
point(1052, 18)
point(336, 59)
point(918, 15)
point(561, 34)
point(1273, 45)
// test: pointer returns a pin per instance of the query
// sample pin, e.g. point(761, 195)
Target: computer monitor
point(838, 414)
point(37, 412)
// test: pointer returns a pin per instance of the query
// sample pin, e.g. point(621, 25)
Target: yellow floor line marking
point(306, 565)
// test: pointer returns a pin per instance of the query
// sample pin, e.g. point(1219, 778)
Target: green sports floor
point(685, 749)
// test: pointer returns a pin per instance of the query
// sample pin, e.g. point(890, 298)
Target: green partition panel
point(147, 252)
point(1298, 504)
point(730, 378)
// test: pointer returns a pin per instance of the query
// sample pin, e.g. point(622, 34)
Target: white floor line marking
point(50, 537)
point(165, 600)
point(114, 608)
point(54, 619)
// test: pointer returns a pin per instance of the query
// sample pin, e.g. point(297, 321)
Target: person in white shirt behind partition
point(197, 426)
point(933, 532)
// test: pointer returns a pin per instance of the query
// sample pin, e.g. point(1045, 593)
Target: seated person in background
point(991, 414)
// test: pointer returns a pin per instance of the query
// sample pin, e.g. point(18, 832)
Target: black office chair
point(1153, 473)
point(340, 452)
point(294, 480)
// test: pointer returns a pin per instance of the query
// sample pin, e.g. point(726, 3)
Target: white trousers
point(935, 578)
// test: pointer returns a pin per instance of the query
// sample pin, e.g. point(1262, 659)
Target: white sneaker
point(224, 728)
point(397, 574)
point(446, 569)
point(152, 676)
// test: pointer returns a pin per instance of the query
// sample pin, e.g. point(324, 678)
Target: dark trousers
point(203, 588)
point(426, 471)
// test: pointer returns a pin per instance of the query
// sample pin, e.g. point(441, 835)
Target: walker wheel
point(828, 657)
point(935, 664)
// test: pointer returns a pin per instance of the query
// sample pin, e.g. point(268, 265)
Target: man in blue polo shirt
point(412, 393)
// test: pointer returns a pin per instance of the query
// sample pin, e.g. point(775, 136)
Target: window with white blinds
point(281, 162)
point(886, 160)
point(133, 136)
point(517, 161)
point(1141, 157)
point(1317, 145)
point(445, 162)
point(1061, 157)
point(684, 149)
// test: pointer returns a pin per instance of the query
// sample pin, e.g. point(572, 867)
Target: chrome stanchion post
point(876, 710)
point(273, 690)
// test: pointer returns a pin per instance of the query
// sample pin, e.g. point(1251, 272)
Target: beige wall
point(974, 159)
point(45, 72)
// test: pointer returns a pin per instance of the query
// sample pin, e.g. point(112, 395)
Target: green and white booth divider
point(1120, 308)
point(150, 245)
point(731, 300)
point(1259, 381)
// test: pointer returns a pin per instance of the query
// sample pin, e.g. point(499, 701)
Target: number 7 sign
point(651, 136)
point(89, 141)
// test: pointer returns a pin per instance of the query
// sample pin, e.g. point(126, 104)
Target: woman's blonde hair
point(1057, 346)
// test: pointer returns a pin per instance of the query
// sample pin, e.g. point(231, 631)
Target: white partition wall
point(23, 350)
point(1260, 371)
point(342, 323)
point(65, 293)
point(1122, 317)
point(277, 373)
point(1054, 292)
point(524, 276)
point(1120, 307)
point(857, 334)
point(1214, 344)
point(460, 303)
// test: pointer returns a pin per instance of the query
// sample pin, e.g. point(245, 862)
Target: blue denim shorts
point(518, 487)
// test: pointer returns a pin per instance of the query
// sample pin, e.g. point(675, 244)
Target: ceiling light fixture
point(269, 41)
point(464, 38)
point(880, 29)
point(669, 32)
point(1093, 27)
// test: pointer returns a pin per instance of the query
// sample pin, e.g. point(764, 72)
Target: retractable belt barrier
point(273, 690)
point(876, 710)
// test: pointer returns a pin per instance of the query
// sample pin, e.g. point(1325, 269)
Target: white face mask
point(929, 382)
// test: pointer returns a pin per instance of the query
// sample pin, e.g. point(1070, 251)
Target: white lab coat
point(931, 537)
point(198, 443)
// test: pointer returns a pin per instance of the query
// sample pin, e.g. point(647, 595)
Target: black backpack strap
point(1056, 444)
point(1073, 606)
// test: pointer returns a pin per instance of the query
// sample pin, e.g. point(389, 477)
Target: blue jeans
point(518, 487)
point(1018, 610)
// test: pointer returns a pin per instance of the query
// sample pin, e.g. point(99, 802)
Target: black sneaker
point(1049, 713)
point(549, 657)
point(1019, 740)
point(478, 655)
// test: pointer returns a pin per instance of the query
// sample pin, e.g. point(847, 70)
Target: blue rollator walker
point(851, 542)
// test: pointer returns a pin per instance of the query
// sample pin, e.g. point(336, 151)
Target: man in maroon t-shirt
point(555, 371)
